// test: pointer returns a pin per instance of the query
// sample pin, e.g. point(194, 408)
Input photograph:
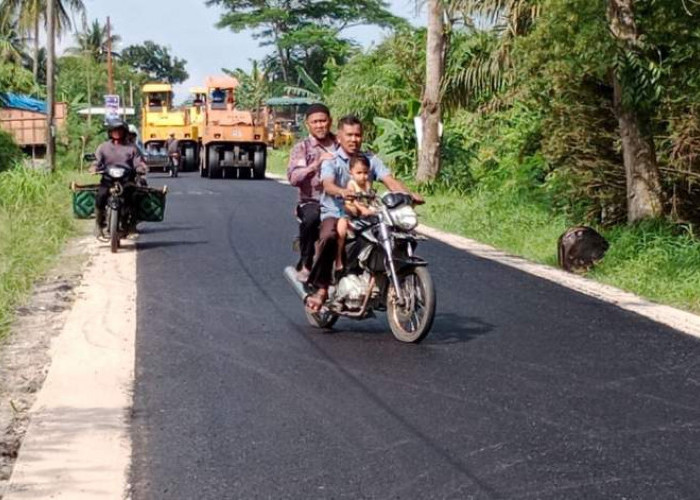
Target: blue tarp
point(23, 102)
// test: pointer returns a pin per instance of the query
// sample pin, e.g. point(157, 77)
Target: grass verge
point(656, 260)
point(35, 221)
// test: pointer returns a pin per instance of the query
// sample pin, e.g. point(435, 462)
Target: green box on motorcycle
point(150, 202)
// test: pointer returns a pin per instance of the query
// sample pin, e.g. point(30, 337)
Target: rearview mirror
point(89, 157)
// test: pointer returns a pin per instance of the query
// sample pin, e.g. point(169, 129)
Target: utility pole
point(110, 74)
point(50, 91)
point(89, 91)
point(122, 98)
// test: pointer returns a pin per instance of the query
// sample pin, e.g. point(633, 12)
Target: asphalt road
point(524, 389)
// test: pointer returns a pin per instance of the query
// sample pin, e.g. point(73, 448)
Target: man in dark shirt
point(173, 147)
point(303, 173)
point(115, 151)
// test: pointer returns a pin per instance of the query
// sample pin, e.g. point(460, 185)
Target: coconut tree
point(12, 43)
point(31, 13)
point(94, 42)
point(487, 63)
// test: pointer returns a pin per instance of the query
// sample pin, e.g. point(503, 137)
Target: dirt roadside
point(66, 372)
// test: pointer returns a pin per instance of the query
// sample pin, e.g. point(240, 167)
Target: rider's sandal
point(313, 302)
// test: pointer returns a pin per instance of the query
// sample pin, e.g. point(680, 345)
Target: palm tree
point(93, 41)
point(30, 14)
point(514, 18)
point(12, 43)
point(488, 63)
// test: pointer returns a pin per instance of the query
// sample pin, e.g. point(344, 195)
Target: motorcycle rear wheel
point(114, 230)
point(412, 321)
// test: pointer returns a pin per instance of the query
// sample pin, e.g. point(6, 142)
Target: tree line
point(23, 59)
point(589, 106)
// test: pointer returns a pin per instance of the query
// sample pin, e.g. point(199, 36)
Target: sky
point(187, 28)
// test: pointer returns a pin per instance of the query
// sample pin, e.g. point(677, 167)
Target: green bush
point(9, 151)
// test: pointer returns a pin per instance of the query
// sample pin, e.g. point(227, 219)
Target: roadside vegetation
point(35, 205)
point(35, 221)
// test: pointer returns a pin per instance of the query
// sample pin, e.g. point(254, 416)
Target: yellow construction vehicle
point(233, 140)
point(197, 108)
point(159, 119)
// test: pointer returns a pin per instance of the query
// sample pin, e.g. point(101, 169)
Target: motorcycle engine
point(351, 290)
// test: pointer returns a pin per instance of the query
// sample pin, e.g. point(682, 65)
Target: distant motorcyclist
point(115, 151)
point(172, 146)
point(133, 138)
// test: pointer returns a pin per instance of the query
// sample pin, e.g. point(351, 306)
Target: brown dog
point(579, 248)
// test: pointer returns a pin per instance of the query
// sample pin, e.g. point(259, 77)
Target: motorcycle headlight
point(404, 218)
point(116, 172)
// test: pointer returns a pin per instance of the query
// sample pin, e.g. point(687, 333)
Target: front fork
point(116, 192)
point(114, 202)
point(385, 240)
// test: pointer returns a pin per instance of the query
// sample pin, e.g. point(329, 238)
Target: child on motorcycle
point(359, 183)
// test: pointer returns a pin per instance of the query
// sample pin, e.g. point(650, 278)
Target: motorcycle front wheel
point(411, 321)
point(114, 230)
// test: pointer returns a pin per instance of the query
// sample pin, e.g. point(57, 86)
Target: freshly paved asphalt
point(524, 389)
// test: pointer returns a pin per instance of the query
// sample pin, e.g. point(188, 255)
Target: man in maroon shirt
point(303, 173)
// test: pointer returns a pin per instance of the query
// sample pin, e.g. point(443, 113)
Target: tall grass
point(514, 224)
point(655, 259)
point(35, 220)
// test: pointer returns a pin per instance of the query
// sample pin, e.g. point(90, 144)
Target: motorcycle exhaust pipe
point(291, 274)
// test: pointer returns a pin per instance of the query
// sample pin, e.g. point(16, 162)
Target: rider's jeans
point(322, 272)
point(309, 215)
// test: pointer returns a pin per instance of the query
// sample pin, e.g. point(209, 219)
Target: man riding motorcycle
point(115, 151)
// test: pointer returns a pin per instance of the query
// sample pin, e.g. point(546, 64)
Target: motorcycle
point(119, 211)
point(382, 273)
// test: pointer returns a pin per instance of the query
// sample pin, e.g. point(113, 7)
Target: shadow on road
point(447, 328)
point(168, 229)
point(149, 245)
point(453, 328)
